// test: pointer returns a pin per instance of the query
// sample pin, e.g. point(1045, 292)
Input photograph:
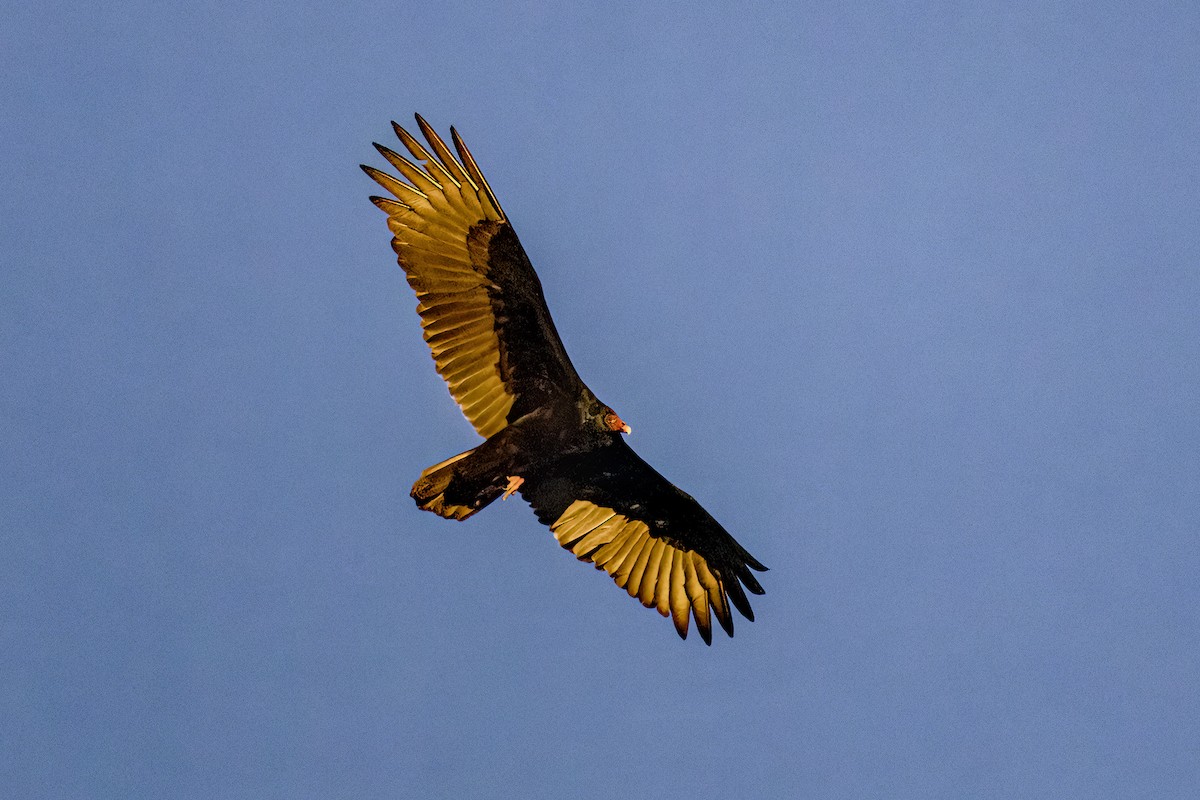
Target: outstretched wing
point(611, 508)
point(481, 304)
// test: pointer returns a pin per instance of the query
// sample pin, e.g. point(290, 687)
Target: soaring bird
point(546, 435)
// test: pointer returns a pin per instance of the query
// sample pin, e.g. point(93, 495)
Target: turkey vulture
point(546, 435)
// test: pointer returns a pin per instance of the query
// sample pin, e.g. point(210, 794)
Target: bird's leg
point(514, 483)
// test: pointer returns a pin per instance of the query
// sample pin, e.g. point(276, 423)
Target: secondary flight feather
point(545, 434)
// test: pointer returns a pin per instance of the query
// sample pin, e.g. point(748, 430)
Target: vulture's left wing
point(611, 508)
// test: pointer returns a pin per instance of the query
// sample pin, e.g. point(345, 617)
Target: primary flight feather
point(546, 435)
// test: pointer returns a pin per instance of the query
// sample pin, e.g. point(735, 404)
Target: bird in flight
point(546, 435)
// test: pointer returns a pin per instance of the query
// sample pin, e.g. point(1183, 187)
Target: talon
point(514, 483)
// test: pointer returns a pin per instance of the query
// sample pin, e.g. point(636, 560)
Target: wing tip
point(425, 127)
point(726, 620)
point(389, 206)
point(751, 583)
point(379, 176)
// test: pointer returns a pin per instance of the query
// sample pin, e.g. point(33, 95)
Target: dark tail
point(467, 495)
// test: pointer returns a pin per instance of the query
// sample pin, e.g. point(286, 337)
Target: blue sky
point(905, 295)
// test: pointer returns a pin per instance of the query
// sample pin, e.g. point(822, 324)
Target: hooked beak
point(615, 423)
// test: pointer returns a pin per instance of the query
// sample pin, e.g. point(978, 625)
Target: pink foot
point(514, 483)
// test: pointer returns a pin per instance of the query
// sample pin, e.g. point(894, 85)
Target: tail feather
point(430, 489)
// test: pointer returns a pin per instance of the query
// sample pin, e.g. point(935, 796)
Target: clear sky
point(908, 296)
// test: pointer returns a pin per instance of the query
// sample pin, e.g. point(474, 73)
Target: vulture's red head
point(615, 424)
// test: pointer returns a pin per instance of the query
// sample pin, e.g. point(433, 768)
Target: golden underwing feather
point(431, 219)
point(580, 525)
point(389, 206)
point(716, 594)
point(663, 599)
point(624, 546)
point(468, 161)
point(598, 536)
point(629, 576)
point(676, 582)
point(443, 153)
point(696, 594)
point(680, 605)
point(418, 151)
point(649, 588)
point(404, 167)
